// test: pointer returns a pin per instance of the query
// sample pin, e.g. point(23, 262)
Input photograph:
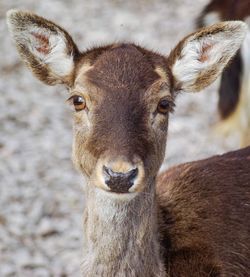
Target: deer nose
point(119, 182)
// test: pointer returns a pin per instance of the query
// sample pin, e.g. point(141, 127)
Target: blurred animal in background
point(234, 90)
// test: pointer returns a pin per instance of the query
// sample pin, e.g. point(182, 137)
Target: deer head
point(122, 94)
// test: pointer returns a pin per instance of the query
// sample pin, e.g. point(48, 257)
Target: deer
point(234, 88)
point(191, 220)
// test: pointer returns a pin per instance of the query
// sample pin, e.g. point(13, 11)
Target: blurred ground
point(41, 200)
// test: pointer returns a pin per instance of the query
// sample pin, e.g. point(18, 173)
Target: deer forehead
point(120, 70)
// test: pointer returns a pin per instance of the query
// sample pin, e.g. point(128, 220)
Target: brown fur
point(229, 90)
point(195, 222)
point(227, 9)
point(207, 203)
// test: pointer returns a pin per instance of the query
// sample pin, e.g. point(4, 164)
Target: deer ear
point(46, 48)
point(200, 57)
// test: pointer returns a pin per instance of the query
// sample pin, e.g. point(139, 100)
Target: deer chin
point(117, 197)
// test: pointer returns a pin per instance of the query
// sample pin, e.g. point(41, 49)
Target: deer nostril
point(119, 182)
point(132, 174)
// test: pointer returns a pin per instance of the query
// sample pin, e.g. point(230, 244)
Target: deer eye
point(163, 106)
point(78, 102)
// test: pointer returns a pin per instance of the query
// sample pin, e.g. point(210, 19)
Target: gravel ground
point(41, 199)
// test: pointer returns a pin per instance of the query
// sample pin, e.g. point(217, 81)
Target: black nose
point(118, 181)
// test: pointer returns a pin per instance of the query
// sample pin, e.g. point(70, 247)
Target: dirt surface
point(41, 198)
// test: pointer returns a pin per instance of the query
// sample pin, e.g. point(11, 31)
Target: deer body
point(122, 95)
point(234, 90)
point(206, 216)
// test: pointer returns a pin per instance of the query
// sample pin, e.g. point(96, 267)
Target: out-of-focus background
point(41, 197)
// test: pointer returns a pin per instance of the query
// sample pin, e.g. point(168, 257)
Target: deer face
point(122, 94)
point(120, 129)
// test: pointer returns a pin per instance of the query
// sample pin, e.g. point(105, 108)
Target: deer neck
point(120, 237)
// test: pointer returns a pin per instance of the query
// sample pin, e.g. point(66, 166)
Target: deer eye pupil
point(163, 106)
point(79, 102)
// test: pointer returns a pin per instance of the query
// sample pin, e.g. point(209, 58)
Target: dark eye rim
point(79, 106)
